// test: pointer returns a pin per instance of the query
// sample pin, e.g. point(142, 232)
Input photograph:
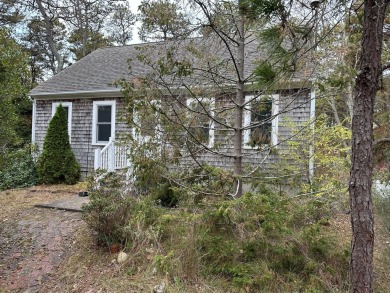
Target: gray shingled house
point(94, 105)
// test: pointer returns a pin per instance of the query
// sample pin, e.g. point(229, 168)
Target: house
point(95, 105)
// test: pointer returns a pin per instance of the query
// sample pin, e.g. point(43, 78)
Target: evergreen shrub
point(57, 163)
point(260, 242)
point(108, 211)
point(19, 169)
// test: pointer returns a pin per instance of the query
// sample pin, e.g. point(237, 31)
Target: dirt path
point(33, 243)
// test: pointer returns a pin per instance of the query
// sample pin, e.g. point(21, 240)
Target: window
point(201, 125)
point(261, 121)
point(103, 120)
point(68, 110)
point(146, 120)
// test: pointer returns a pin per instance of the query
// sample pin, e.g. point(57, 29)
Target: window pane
point(200, 120)
point(66, 108)
point(147, 123)
point(201, 132)
point(103, 132)
point(104, 113)
point(261, 115)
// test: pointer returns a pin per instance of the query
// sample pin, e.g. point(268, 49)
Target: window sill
point(257, 148)
point(100, 143)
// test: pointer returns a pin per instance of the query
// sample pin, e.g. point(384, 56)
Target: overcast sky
point(134, 6)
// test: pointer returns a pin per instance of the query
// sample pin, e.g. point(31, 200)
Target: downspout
point(312, 128)
point(33, 120)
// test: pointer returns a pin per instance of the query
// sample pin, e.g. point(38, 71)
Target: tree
point(87, 18)
point(10, 14)
point(366, 86)
point(14, 85)
point(47, 51)
point(193, 76)
point(121, 23)
point(57, 162)
point(58, 28)
point(46, 33)
point(84, 42)
point(162, 20)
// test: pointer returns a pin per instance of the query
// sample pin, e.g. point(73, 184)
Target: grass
point(14, 201)
point(93, 269)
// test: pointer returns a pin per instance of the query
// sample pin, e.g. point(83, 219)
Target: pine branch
point(381, 140)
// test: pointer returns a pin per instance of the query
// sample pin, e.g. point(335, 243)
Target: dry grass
point(381, 257)
point(14, 201)
point(94, 269)
point(341, 228)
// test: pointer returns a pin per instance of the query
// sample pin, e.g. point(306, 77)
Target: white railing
point(112, 157)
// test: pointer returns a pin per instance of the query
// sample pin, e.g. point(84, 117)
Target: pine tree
point(57, 163)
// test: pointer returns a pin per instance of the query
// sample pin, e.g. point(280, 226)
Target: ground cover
point(45, 250)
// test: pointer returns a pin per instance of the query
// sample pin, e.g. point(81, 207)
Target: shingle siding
point(81, 133)
point(93, 79)
point(294, 106)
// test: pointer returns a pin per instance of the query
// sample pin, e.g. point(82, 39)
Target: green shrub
point(20, 169)
point(262, 232)
point(165, 195)
point(118, 217)
point(108, 211)
point(251, 243)
point(57, 163)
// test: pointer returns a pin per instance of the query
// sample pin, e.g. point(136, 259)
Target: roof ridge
point(149, 43)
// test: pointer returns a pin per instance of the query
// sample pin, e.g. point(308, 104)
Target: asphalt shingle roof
point(95, 72)
point(99, 70)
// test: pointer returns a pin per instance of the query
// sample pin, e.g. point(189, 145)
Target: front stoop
point(73, 204)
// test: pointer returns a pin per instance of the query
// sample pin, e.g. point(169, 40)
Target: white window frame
point(96, 104)
point(65, 105)
point(211, 139)
point(248, 117)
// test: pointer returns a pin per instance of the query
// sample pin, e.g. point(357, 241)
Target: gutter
point(117, 92)
point(79, 94)
point(33, 122)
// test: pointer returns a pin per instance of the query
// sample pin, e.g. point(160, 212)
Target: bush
point(252, 243)
point(108, 211)
point(19, 171)
point(57, 163)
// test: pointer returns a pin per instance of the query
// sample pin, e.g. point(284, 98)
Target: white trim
point(33, 122)
point(274, 122)
point(212, 124)
point(111, 103)
point(117, 92)
point(247, 121)
point(65, 105)
point(211, 140)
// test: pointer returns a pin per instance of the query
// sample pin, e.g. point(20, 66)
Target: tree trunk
point(49, 27)
point(366, 87)
point(240, 99)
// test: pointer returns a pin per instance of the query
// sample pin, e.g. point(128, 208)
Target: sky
point(134, 6)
